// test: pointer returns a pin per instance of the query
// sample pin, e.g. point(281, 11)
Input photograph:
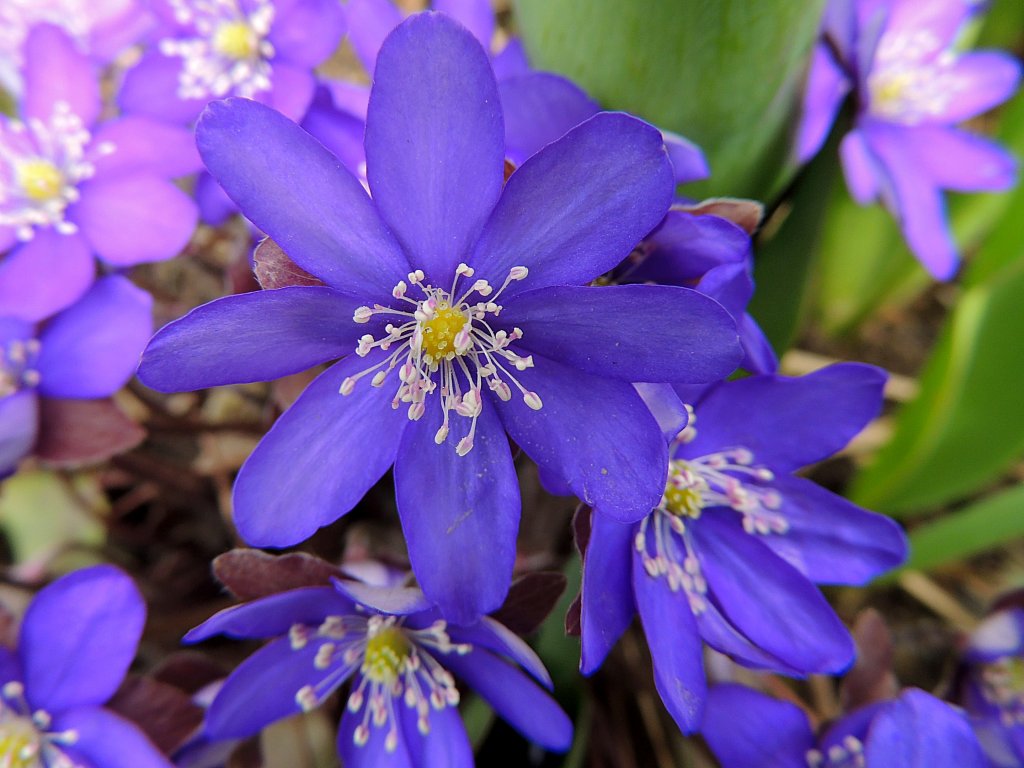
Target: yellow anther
point(439, 332)
point(40, 180)
point(235, 40)
point(19, 743)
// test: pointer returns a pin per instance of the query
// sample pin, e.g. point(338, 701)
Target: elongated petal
point(962, 161)
point(78, 638)
point(145, 145)
point(291, 90)
point(688, 161)
point(758, 354)
point(375, 751)
point(979, 81)
point(832, 541)
point(510, 61)
point(273, 616)
point(827, 86)
point(593, 432)
point(676, 649)
point(578, 207)
point(745, 728)
point(445, 745)
point(104, 739)
point(256, 336)
point(338, 130)
point(489, 633)
point(539, 108)
point(150, 88)
point(434, 141)
point(56, 72)
point(91, 349)
point(308, 33)
point(369, 22)
point(27, 287)
point(319, 458)
point(718, 633)
point(649, 333)
point(10, 666)
point(310, 205)
point(665, 405)
point(19, 426)
point(607, 606)
point(462, 534)
point(768, 600)
point(685, 246)
point(475, 15)
point(788, 423)
point(919, 731)
point(515, 697)
point(394, 600)
point(859, 167)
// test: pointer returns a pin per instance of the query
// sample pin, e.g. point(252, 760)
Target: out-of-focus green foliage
point(724, 73)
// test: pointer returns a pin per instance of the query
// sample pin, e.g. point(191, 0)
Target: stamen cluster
point(849, 754)
point(912, 80)
point(24, 739)
point(17, 365)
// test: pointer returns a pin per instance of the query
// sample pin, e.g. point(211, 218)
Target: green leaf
point(724, 73)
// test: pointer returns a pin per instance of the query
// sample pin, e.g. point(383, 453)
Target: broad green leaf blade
point(726, 74)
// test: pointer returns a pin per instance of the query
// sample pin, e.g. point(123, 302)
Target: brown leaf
point(188, 671)
point(746, 214)
point(77, 432)
point(250, 573)
point(530, 599)
point(871, 679)
point(274, 269)
point(166, 714)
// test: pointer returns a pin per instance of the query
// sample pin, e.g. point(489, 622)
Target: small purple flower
point(732, 550)
point(87, 351)
point(77, 640)
point(402, 706)
point(911, 86)
point(747, 729)
point(71, 188)
point(414, 277)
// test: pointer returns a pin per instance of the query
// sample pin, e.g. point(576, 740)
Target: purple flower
point(77, 641)
point(402, 706)
point(747, 729)
point(911, 86)
point(414, 278)
point(71, 188)
point(208, 49)
point(731, 551)
point(87, 351)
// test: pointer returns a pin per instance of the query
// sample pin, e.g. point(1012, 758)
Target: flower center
point(40, 180)
point(25, 739)
point(444, 343)
point(912, 79)
point(683, 491)
point(17, 366)
point(235, 40)
point(19, 743)
point(386, 654)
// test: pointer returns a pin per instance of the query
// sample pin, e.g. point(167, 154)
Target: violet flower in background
point(77, 640)
point(72, 188)
point(747, 729)
point(413, 277)
point(402, 705)
point(89, 350)
point(912, 87)
point(732, 550)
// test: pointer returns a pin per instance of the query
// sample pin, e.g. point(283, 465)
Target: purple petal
point(758, 354)
point(106, 740)
point(394, 600)
point(578, 207)
point(515, 697)
point(511, 61)
point(539, 108)
point(746, 728)
point(688, 161)
point(92, 348)
point(353, 98)
point(979, 81)
point(676, 649)
point(942, 21)
point(369, 22)
point(10, 666)
point(475, 15)
point(307, 33)
point(718, 633)
point(789, 422)
point(78, 638)
point(273, 616)
point(55, 72)
point(19, 426)
point(919, 731)
point(150, 89)
point(666, 406)
point(134, 219)
point(768, 600)
point(832, 541)
point(435, 156)
point(859, 167)
point(144, 145)
point(607, 590)
point(215, 207)
point(271, 334)
point(646, 333)
point(685, 246)
point(374, 752)
point(27, 286)
point(827, 86)
point(8, 239)
point(319, 458)
point(494, 636)
point(339, 131)
point(445, 745)
point(462, 541)
point(962, 161)
point(291, 90)
point(311, 206)
point(593, 432)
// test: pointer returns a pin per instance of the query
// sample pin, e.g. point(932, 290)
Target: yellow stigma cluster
point(683, 491)
point(439, 333)
point(19, 744)
point(40, 180)
point(386, 652)
point(235, 40)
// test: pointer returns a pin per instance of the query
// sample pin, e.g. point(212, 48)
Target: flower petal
point(369, 22)
point(311, 205)
point(593, 432)
point(962, 161)
point(688, 161)
point(514, 696)
point(27, 286)
point(685, 246)
point(606, 594)
point(979, 80)
point(394, 600)
point(57, 72)
point(291, 91)
point(475, 15)
point(150, 88)
point(676, 649)
point(859, 167)
point(79, 637)
point(274, 615)
point(19, 427)
point(338, 130)
point(307, 33)
point(134, 219)
point(746, 728)
point(494, 636)
point(666, 406)
point(92, 348)
point(827, 86)
point(651, 333)
point(319, 458)
point(144, 145)
point(539, 108)
point(248, 337)
point(718, 633)
point(510, 61)
point(374, 752)
point(435, 153)
point(919, 731)
point(460, 514)
point(578, 207)
point(445, 745)
point(104, 739)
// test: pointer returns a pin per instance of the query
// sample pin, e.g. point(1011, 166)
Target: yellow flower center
point(683, 491)
point(19, 744)
point(386, 652)
point(235, 40)
point(40, 180)
point(439, 333)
